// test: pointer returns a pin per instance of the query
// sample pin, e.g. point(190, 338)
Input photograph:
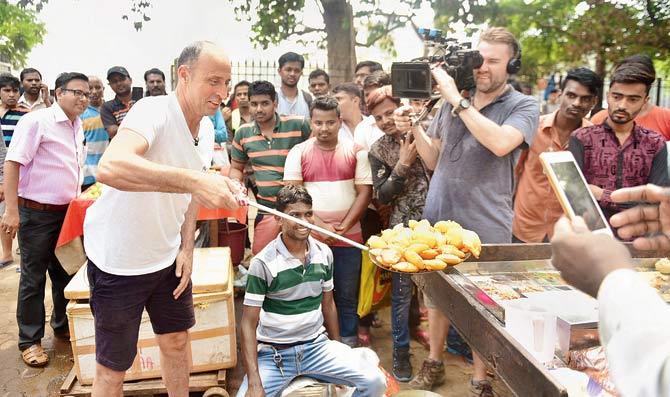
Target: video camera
point(413, 79)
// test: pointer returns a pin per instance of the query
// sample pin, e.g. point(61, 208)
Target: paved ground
point(16, 379)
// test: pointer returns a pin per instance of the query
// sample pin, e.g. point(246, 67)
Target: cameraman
point(473, 146)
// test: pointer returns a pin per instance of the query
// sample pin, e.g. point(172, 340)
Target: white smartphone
point(572, 190)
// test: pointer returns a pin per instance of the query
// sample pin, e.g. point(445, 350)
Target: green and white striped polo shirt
point(289, 291)
point(267, 156)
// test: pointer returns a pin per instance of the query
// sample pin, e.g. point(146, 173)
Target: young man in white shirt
point(292, 101)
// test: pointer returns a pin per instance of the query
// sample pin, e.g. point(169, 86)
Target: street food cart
point(470, 295)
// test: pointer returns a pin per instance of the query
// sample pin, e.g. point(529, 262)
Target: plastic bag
point(375, 287)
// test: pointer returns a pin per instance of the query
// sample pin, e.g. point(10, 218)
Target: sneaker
point(481, 388)
point(402, 368)
point(431, 375)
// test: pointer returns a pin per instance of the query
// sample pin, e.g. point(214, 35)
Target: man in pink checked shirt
point(41, 178)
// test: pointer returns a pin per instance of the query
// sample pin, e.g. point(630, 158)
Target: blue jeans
point(401, 298)
point(347, 278)
point(322, 359)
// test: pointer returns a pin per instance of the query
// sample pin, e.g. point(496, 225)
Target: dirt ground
point(17, 379)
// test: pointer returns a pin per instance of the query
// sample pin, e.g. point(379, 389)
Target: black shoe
point(402, 368)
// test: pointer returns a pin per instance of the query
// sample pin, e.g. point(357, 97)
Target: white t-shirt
point(345, 134)
point(133, 233)
point(367, 133)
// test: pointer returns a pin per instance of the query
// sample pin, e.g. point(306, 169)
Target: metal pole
point(658, 91)
point(307, 225)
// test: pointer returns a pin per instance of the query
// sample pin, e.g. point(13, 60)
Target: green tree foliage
point(556, 34)
point(275, 21)
point(19, 33)
point(334, 29)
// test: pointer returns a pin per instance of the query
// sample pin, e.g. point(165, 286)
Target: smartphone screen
point(578, 194)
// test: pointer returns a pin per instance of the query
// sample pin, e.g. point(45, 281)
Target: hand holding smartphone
point(572, 191)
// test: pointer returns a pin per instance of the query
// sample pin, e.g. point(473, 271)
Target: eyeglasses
point(79, 94)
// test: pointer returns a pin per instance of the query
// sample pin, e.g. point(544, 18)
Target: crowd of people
point(348, 158)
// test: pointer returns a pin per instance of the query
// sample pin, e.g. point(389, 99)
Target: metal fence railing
point(251, 70)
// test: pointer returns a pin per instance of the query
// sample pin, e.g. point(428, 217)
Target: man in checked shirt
point(620, 153)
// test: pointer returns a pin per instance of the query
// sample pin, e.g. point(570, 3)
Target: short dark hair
point(262, 87)
point(292, 194)
point(586, 77)
point(25, 71)
point(325, 103)
point(191, 52)
point(8, 80)
point(374, 66)
point(240, 84)
point(377, 79)
point(643, 60)
point(291, 57)
point(153, 71)
point(633, 73)
point(319, 72)
point(351, 89)
point(64, 78)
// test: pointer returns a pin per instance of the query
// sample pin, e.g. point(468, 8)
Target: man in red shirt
point(325, 165)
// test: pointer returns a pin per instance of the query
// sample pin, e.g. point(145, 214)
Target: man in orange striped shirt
point(265, 142)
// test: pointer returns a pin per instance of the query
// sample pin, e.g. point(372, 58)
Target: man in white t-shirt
point(292, 101)
point(140, 232)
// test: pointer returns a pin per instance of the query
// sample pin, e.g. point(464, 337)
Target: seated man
point(290, 289)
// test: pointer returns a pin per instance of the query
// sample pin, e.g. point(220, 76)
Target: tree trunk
point(340, 37)
point(601, 63)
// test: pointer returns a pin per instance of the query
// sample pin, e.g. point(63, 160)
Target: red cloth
point(73, 225)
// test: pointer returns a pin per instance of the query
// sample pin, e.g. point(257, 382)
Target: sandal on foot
point(35, 356)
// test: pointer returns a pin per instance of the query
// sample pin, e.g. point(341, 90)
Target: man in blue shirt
point(95, 133)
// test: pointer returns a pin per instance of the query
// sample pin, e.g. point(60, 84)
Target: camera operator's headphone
point(514, 64)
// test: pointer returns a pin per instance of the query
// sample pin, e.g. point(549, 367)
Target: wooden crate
point(213, 343)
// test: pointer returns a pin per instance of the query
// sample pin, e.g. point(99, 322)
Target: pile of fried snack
point(422, 247)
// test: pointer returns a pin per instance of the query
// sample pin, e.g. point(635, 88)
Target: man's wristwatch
point(462, 105)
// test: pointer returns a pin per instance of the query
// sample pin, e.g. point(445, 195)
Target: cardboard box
point(213, 343)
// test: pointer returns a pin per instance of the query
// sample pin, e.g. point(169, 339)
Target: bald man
point(140, 232)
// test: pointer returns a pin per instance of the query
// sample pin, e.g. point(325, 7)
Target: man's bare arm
point(250, 316)
point(330, 316)
point(501, 140)
point(123, 167)
point(237, 170)
point(112, 130)
point(363, 197)
point(10, 219)
point(188, 227)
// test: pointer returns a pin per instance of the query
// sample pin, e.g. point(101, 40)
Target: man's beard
point(493, 86)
